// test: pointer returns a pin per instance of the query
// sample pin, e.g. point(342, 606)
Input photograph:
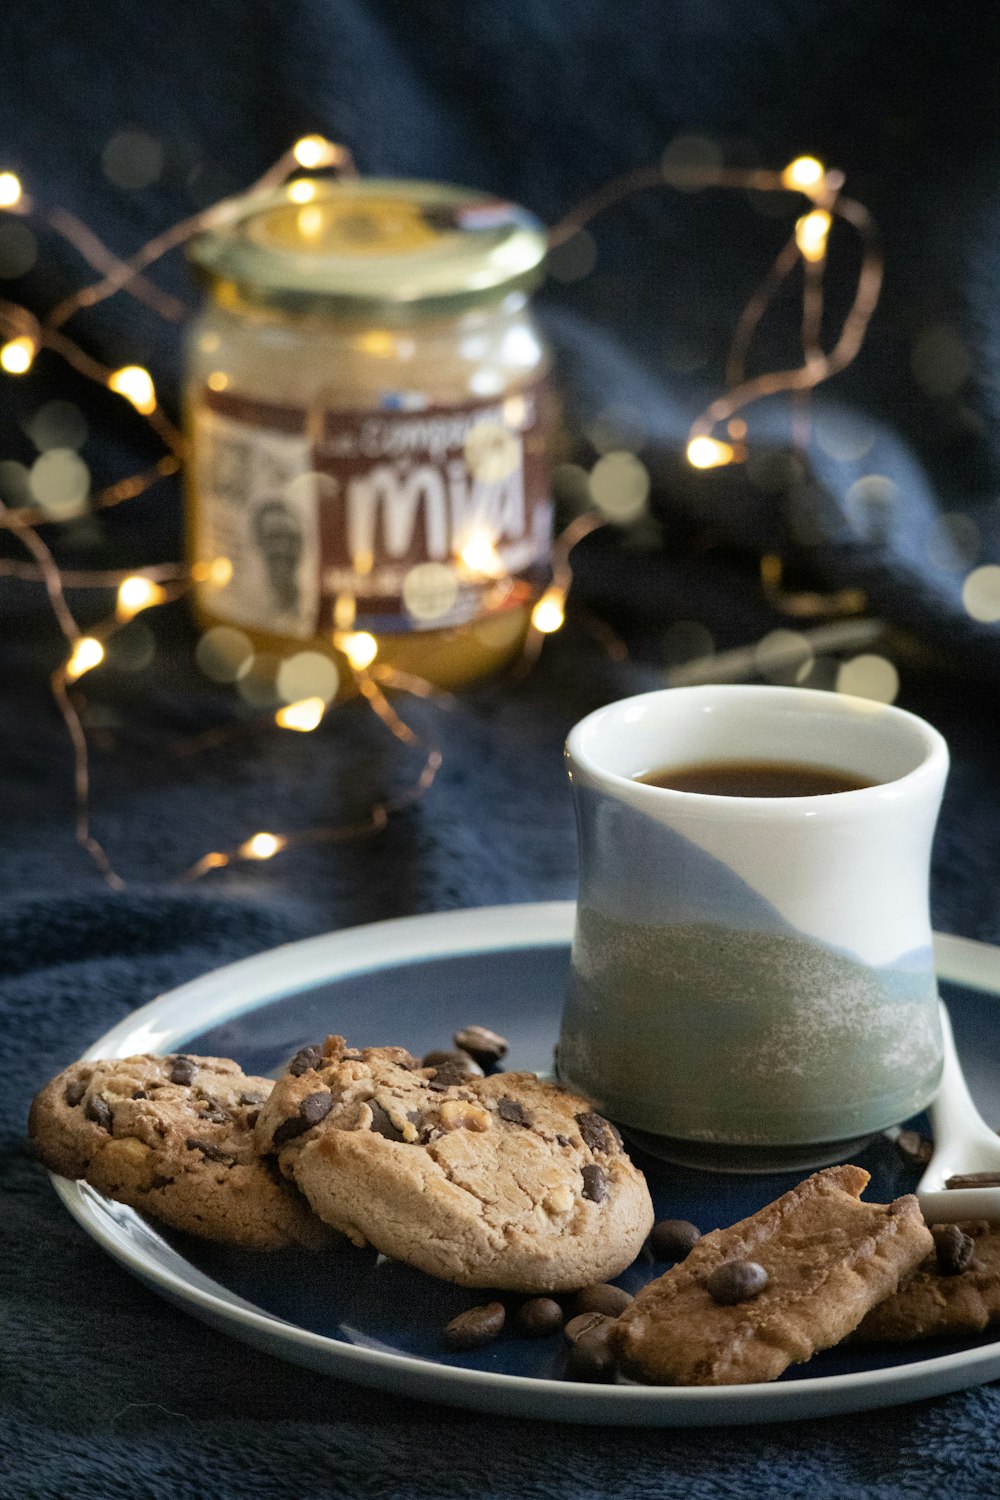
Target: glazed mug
point(752, 979)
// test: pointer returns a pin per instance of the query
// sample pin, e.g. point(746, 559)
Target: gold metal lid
point(373, 245)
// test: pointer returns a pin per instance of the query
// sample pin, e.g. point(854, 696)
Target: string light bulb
point(709, 453)
point(358, 646)
point(18, 355)
point(262, 846)
point(301, 190)
point(10, 190)
point(804, 175)
point(137, 593)
point(811, 234)
point(304, 716)
point(136, 385)
point(479, 554)
point(549, 613)
point(314, 151)
point(87, 654)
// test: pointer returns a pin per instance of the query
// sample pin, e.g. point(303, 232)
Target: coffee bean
point(381, 1123)
point(590, 1359)
point(736, 1281)
point(453, 1062)
point(602, 1298)
point(314, 1107)
point(673, 1239)
point(75, 1092)
point(596, 1132)
point(596, 1325)
point(513, 1111)
point(538, 1317)
point(182, 1070)
point(99, 1110)
point(955, 1250)
point(304, 1059)
point(914, 1147)
point(595, 1184)
point(486, 1046)
point(473, 1329)
point(213, 1153)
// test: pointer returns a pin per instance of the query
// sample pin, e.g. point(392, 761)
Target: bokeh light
point(137, 593)
point(953, 541)
point(804, 174)
point(430, 590)
point(491, 452)
point(302, 191)
point(619, 486)
point(224, 654)
point(709, 453)
point(57, 424)
point(314, 151)
point(617, 428)
point(136, 385)
point(811, 233)
point(689, 160)
point(303, 716)
point(15, 483)
point(18, 249)
point(869, 504)
point(869, 676)
point(132, 159)
point(308, 675)
point(18, 355)
point(262, 846)
point(842, 435)
point(87, 654)
point(359, 647)
point(549, 614)
point(60, 483)
point(981, 594)
point(10, 190)
point(783, 656)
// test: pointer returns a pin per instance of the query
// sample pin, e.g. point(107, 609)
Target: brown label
point(415, 519)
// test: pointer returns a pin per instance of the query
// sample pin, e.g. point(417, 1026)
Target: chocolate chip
point(955, 1250)
point(75, 1092)
point(160, 1182)
point(914, 1147)
point(99, 1110)
point(562, 1140)
point(602, 1298)
point(459, 1063)
point(673, 1239)
point(476, 1327)
point(595, 1325)
point(183, 1070)
point(596, 1132)
point(538, 1317)
point(214, 1113)
point(513, 1111)
point(252, 1118)
point(450, 1074)
point(304, 1059)
point(595, 1183)
point(252, 1096)
point(139, 1094)
point(486, 1046)
point(314, 1107)
point(736, 1281)
point(213, 1153)
point(382, 1124)
point(591, 1360)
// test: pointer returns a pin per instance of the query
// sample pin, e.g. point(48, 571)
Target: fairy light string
point(26, 335)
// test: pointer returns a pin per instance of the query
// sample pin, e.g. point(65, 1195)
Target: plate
point(376, 1322)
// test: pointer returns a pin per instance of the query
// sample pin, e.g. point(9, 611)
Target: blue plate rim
point(223, 994)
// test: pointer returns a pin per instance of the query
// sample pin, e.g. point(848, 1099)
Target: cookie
point(503, 1182)
point(173, 1138)
point(770, 1291)
point(936, 1300)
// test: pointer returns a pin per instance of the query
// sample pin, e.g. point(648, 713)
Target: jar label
point(387, 520)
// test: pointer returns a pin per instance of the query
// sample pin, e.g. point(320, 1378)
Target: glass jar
point(369, 421)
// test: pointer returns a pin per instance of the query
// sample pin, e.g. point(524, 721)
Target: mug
point(752, 979)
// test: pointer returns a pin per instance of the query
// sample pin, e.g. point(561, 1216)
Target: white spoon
point(963, 1144)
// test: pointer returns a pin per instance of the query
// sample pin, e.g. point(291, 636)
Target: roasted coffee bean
point(736, 1281)
point(673, 1239)
point(914, 1147)
point(602, 1298)
point(206, 1148)
point(590, 1359)
point(314, 1107)
point(596, 1132)
point(75, 1092)
point(183, 1070)
point(473, 1329)
point(304, 1059)
point(595, 1183)
point(453, 1062)
point(538, 1317)
point(955, 1250)
point(513, 1111)
point(594, 1325)
point(382, 1124)
point(486, 1046)
point(99, 1110)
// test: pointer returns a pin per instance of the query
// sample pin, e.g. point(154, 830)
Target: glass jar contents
point(369, 422)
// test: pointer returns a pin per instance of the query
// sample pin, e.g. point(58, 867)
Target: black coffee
point(755, 778)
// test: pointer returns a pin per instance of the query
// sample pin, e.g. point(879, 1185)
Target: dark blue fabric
point(107, 1390)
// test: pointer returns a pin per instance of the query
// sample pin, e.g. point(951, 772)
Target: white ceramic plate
point(377, 1323)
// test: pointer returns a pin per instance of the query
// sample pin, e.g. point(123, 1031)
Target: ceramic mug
point(752, 978)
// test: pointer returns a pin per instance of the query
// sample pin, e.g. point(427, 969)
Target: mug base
point(706, 1156)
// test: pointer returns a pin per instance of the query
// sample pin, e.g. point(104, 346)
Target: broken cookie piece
point(955, 1290)
point(503, 1182)
point(826, 1258)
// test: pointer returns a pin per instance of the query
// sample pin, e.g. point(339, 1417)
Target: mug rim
point(934, 760)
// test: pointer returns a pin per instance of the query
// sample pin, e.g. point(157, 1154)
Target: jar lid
point(372, 244)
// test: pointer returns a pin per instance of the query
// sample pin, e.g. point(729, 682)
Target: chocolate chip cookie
point(504, 1182)
point(173, 1138)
